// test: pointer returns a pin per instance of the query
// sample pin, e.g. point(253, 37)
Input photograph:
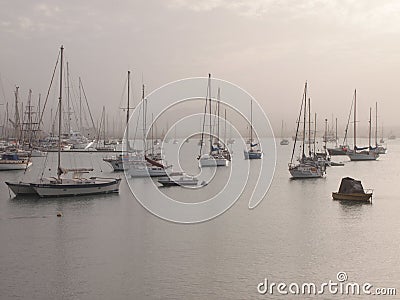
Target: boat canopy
point(350, 186)
point(10, 156)
point(362, 148)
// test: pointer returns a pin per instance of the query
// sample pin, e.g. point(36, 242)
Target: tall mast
point(326, 132)
point(144, 120)
point(209, 95)
point(218, 102)
point(127, 113)
point(336, 138)
point(376, 124)
point(251, 123)
point(369, 131)
point(315, 130)
point(80, 106)
point(309, 127)
point(68, 109)
point(59, 172)
point(355, 120)
point(304, 119)
point(104, 126)
point(16, 115)
point(225, 142)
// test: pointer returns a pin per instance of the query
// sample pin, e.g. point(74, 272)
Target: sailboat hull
point(363, 156)
point(253, 154)
point(14, 165)
point(21, 188)
point(101, 186)
point(302, 171)
point(213, 161)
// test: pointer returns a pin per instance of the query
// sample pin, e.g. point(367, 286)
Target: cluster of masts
point(311, 163)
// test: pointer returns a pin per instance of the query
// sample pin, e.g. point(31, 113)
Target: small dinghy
point(352, 190)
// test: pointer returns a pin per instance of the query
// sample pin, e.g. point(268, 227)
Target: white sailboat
point(215, 158)
point(12, 161)
point(122, 161)
point(147, 164)
point(307, 166)
point(380, 149)
point(284, 141)
point(364, 153)
point(254, 152)
point(59, 186)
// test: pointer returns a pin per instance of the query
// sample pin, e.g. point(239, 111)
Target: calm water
point(110, 247)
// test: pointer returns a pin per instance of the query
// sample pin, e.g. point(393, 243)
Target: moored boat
point(178, 181)
point(12, 161)
point(352, 190)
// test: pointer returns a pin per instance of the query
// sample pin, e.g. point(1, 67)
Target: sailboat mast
point(336, 138)
point(369, 131)
point(225, 142)
point(326, 132)
point(80, 106)
point(144, 121)
point(315, 130)
point(376, 124)
point(127, 112)
point(309, 127)
point(16, 115)
point(68, 105)
point(355, 120)
point(104, 126)
point(59, 116)
point(304, 119)
point(218, 103)
point(251, 123)
point(209, 95)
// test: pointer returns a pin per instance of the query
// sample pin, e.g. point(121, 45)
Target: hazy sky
point(269, 48)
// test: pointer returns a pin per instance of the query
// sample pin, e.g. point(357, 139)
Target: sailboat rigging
point(307, 166)
point(59, 186)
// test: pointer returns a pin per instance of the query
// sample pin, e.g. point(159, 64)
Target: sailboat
point(147, 164)
point(364, 153)
point(284, 141)
point(121, 161)
point(344, 147)
point(307, 166)
point(214, 157)
point(175, 141)
point(59, 186)
point(252, 153)
point(378, 148)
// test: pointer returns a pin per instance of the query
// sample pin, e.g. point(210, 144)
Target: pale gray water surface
point(110, 247)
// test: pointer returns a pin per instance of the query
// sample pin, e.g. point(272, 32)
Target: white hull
point(306, 171)
point(75, 188)
point(213, 162)
point(38, 153)
point(362, 156)
point(5, 166)
point(146, 171)
point(21, 188)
